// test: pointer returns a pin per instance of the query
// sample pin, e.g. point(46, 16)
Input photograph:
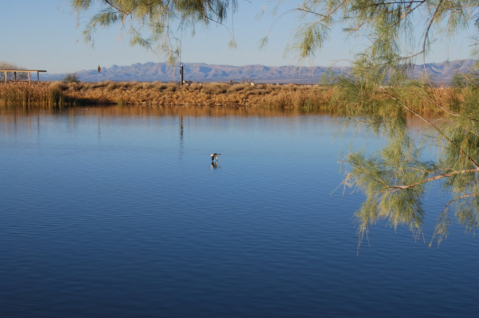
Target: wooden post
point(29, 77)
point(181, 76)
point(38, 77)
point(6, 77)
point(15, 76)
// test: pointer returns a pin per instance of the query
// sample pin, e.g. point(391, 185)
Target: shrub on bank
point(71, 78)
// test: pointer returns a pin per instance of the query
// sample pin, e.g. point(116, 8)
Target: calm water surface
point(117, 212)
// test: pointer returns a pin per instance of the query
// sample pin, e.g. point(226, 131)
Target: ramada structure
point(23, 71)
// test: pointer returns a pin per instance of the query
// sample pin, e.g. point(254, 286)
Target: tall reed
point(40, 95)
point(345, 99)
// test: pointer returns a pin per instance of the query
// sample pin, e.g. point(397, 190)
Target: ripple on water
point(123, 216)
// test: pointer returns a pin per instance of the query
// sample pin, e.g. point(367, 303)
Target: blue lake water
point(118, 212)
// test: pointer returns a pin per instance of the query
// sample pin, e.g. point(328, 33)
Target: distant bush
point(71, 78)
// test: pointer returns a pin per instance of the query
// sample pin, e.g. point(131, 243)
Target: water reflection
point(125, 227)
point(182, 141)
point(394, 179)
point(11, 114)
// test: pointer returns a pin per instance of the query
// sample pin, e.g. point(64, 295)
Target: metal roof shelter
point(23, 71)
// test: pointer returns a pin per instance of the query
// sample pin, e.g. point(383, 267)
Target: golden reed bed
point(154, 94)
point(290, 96)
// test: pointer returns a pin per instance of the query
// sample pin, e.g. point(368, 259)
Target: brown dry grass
point(205, 94)
point(25, 94)
point(302, 97)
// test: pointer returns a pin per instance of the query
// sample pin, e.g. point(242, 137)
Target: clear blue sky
point(43, 34)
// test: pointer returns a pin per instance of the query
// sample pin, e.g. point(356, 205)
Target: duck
point(214, 156)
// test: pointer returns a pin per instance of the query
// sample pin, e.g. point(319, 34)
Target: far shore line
point(150, 94)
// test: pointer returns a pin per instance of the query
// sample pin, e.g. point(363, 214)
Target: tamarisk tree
point(378, 91)
point(154, 24)
point(390, 26)
point(395, 178)
point(396, 29)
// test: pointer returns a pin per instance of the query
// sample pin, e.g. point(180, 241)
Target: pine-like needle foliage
point(395, 178)
point(154, 24)
point(393, 32)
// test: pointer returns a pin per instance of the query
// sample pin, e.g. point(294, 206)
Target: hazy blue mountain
point(443, 72)
point(201, 72)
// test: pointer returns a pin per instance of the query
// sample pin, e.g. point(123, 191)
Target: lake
point(118, 212)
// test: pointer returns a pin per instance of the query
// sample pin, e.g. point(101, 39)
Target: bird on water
point(214, 156)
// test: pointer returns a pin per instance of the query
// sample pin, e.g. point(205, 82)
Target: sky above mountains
point(46, 35)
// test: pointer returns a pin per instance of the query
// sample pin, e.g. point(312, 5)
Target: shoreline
point(159, 94)
point(351, 101)
point(200, 94)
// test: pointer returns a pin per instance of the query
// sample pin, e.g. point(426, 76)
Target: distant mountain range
point(200, 72)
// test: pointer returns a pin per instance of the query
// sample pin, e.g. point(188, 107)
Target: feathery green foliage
point(395, 178)
point(395, 33)
point(155, 18)
point(388, 24)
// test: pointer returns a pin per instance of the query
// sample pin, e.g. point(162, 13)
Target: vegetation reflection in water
point(394, 179)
